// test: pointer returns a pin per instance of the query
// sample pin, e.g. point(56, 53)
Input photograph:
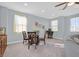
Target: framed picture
point(39, 25)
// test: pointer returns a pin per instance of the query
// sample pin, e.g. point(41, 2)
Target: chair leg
point(44, 43)
point(35, 46)
point(23, 41)
point(28, 46)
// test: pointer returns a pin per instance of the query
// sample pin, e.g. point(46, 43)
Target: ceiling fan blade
point(76, 2)
point(60, 4)
point(65, 6)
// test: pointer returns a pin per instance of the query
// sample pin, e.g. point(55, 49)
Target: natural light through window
point(74, 24)
point(20, 23)
point(54, 25)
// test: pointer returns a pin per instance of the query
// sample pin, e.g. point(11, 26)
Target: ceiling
point(42, 9)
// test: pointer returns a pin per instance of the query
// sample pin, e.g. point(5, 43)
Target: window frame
point(75, 25)
point(16, 25)
point(54, 26)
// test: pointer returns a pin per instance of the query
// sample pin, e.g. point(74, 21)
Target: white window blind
point(54, 25)
point(74, 24)
point(20, 23)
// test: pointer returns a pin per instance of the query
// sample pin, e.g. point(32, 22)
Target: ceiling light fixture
point(42, 10)
point(25, 4)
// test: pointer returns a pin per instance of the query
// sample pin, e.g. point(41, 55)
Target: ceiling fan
point(66, 4)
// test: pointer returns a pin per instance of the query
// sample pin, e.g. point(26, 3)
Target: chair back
point(32, 37)
point(24, 34)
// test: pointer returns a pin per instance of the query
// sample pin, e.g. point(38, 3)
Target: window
point(54, 25)
point(74, 24)
point(20, 23)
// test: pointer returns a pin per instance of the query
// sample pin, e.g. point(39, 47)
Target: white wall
point(64, 27)
point(7, 20)
point(67, 32)
point(60, 33)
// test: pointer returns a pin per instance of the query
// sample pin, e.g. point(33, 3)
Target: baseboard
point(14, 42)
point(58, 38)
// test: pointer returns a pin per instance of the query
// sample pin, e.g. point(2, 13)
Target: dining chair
point(33, 39)
point(25, 37)
point(43, 38)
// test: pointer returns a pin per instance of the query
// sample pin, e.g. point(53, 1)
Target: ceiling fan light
point(70, 3)
point(25, 4)
point(42, 11)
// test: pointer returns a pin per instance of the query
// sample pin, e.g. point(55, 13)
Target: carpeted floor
point(53, 48)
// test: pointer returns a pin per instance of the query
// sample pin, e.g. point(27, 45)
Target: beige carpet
point(53, 48)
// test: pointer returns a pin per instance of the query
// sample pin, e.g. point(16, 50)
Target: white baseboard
point(59, 38)
point(14, 42)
